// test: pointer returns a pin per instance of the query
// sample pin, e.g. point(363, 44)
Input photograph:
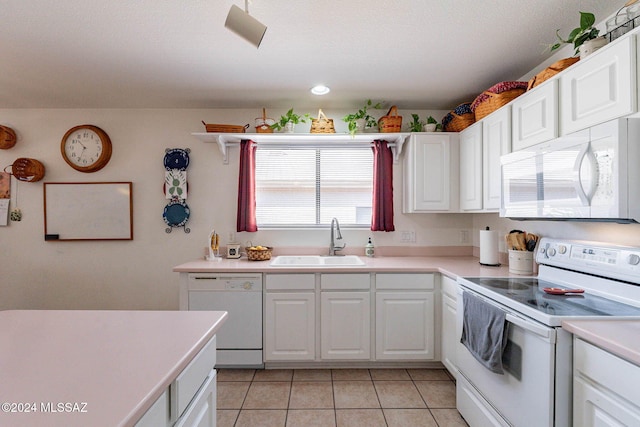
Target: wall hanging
point(7, 137)
point(176, 212)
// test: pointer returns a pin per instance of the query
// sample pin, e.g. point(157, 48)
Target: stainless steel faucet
point(335, 235)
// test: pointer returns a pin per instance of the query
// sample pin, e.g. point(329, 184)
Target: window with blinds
point(298, 187)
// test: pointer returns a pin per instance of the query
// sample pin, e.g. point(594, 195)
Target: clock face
point(86, 148)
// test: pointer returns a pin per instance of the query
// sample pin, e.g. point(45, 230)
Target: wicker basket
point(459, 119)
point(216, 128)
point(322, 124)
point(259, 254)
point(551, 71)
point(7, 137)
point(29, 170)
point(263, 124)
point(495, 97)
point(391, 122)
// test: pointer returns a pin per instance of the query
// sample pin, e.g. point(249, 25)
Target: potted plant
point(288, 121)
point(416, 124)
point(432, 124)
point(585, 38)
point(361, 120)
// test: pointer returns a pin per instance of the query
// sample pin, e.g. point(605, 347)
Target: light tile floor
point(337, 398)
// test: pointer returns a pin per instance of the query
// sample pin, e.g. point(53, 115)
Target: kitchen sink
point(315, 261)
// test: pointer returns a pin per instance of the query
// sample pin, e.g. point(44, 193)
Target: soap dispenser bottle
point(368, 249)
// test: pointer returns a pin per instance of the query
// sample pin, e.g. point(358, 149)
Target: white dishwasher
point(239, 341)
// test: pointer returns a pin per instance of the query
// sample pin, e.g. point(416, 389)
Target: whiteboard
point(88, 211)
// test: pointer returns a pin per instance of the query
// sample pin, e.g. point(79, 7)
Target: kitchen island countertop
point(106, 368)
point(619, 337)
point(452, 266)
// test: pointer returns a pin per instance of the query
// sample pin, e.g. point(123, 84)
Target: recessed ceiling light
point(320, 90)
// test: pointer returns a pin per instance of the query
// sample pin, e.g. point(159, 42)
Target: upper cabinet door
point(471, 168)
point(535, 116)
point(600, 87)
point(496, 141)
point(431, 173)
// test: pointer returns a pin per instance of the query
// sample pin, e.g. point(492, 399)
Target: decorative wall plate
point(176, 158)
point(176, 214)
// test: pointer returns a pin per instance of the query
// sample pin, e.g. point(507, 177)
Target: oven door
point(524, 394)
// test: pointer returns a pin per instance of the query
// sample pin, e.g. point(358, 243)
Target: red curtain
point(246, 220)
point(382, 215)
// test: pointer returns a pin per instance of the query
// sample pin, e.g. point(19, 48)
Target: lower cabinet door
point(345, 325)
point(290, 326)
point(201, 412)
point(449, 337)
point(405, 326)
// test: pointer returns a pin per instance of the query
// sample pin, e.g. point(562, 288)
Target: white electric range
point(536, 387)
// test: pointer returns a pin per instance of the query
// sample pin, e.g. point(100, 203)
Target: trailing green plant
point(431, 121)
point(362, 113)
point(290, 116)
point(416, 124)
point(579, 35)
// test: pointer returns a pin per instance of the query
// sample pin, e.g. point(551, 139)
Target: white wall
point(35, 274)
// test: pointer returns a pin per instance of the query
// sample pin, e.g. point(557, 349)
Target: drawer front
point(185, 386)
point(290, 282)
point(607, 370)
point(405, 281)
point(345, 281)
point(449, 287)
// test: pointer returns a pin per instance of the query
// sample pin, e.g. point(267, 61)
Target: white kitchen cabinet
point(535, 115)
point(404, 317)
point(190, 399)
point(496, 141)
point(449, 338)
point(345, 325)
point(290, 322)
point(290, 317)
point(605, 388)
point(600, 87)
point(471, 168)
point(431, 173)
point(202, 410)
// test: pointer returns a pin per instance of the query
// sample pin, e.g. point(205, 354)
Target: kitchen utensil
point(562, 291)
point(531, 241)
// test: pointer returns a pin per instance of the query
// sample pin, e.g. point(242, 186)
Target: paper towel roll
point(489, 247)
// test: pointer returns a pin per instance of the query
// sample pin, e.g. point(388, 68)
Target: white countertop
point(619, 337)
point(452, 266)
point(112, 364)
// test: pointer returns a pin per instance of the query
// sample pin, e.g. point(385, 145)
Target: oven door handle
point(539, 330)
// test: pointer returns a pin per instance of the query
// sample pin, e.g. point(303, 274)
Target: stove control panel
point(621, 262)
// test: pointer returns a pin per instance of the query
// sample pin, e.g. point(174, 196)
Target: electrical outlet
point(464, 236)
point(408, 236)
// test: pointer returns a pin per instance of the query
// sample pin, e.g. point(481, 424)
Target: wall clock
point(86, 148)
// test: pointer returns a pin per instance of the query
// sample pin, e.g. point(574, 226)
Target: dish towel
point(484, 331)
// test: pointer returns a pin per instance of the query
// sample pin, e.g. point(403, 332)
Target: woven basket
point(263, 124)
point(322, 124)
point(216, 128)
point(7, 137)
point(259, 254)
point(495, 101)
point(551, 71)
point(29, 170)
point(391, 122)
point(459, 119)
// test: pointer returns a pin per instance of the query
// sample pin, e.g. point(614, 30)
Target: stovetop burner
point(528, 291)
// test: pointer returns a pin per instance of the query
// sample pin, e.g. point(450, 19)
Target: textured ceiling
point(422, 54)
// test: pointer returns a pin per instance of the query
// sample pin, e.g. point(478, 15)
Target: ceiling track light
point(246, 26)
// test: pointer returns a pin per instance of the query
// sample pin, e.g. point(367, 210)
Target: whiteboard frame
point(88, 211)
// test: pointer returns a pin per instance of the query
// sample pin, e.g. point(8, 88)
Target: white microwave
point(590, 175)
